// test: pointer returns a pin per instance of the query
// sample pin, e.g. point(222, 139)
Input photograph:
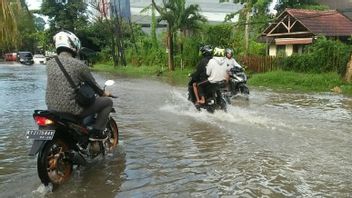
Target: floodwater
point(273, 145)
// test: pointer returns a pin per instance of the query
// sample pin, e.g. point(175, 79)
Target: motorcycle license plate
point(40, 134)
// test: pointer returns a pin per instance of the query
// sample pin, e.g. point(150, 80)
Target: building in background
point(109, 8)
point(295, 28)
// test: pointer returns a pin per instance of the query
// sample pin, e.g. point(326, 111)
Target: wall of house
point(289, 50)
point(272, 50)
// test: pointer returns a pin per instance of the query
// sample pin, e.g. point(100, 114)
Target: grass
point(277, 80)
point(304, 82)
point(177, 77)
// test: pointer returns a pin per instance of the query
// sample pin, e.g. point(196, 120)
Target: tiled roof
point(328, 23)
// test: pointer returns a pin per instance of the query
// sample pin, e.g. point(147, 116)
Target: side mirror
point(109, 83)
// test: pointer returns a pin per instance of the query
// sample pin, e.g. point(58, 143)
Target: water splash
point(178, 104)
point(43, 190)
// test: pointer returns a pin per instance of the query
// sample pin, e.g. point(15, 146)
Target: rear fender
point(37, 146)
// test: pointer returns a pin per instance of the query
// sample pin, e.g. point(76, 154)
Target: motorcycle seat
point(67, 116)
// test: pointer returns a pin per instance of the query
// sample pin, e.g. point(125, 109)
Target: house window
point(297, 49)
point(281, 50)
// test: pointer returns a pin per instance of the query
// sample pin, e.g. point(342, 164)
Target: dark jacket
point(60, 96)
point(200, 74)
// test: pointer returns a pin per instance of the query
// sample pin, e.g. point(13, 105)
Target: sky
point(210, 8)
point(33, 4)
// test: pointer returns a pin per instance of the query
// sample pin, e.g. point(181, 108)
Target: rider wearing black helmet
point(200, 74)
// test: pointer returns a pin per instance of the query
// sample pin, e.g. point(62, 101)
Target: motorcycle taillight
point(42, 121)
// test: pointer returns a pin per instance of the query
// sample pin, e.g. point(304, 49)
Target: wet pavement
point(273, 145)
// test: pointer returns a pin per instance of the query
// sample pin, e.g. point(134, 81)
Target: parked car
point(39, 59)
point(10, 56)
point(25, 58)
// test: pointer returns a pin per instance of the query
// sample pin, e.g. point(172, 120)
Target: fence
point(259, 64)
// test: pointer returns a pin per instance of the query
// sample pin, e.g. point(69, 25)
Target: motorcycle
point(214, 97)
point(62, 141)
point(237, 83)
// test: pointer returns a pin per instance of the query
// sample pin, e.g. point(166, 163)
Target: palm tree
point(190, 19)
point(8, 25)
point(188, 23)
point(178, 17)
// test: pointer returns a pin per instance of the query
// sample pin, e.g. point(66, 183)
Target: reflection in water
point(274, 145)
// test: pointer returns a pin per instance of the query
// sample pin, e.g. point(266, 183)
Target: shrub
point(219, 35)
point(323, 56)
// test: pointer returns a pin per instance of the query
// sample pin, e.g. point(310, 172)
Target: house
point(293, 29)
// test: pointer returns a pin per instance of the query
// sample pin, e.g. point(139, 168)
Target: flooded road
point(274, 145)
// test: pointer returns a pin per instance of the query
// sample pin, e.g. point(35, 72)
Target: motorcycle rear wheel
point(53, 164)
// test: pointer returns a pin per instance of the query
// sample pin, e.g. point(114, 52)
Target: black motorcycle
point(62, 141)
point(214, 98)
point(237, 82)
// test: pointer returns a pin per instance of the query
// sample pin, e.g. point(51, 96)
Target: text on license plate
point(40, 134)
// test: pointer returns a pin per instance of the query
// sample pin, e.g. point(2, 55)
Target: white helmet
point(66, 39)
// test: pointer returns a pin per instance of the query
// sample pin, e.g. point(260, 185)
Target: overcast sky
point(33, 4)
point(212, 9)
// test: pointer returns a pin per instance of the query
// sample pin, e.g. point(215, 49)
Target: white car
point(39, 59)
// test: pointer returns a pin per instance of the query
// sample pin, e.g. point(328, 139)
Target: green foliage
point(178, 17)
point(27, 30)
point(256, 48)
point(190, 53)
point(323, 56)
point(219, 35)
point(39, 23)
point(301, 4)
point(8, 25)
point(70, 16)
point(146, 53)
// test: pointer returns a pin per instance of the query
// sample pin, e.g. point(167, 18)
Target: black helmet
point(228, 51)
point(206, 50)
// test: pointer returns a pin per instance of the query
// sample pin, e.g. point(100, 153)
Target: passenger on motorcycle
point(200, 74)
point(230, 61)
point(60, 96)
point(216, 71)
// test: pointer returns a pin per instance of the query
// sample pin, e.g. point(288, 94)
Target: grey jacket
point(60, 96)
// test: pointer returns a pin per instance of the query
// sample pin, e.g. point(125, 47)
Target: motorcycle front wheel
point(244, 89)
point(53, 163)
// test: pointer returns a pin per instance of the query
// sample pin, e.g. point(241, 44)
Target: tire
point(244, 90)
point(53, 164)
point(223, 104)
point(112, 133)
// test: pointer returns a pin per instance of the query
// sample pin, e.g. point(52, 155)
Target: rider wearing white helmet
point(60, 96)
point(216, 68)
point(230, 61)
point(67, 41)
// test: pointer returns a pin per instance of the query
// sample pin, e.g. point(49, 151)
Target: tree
point(178, 17)
point(70, 16)
point(8, 25)
point(259, 9)
point(112, 30)
point(251, 7)
point(26, 27)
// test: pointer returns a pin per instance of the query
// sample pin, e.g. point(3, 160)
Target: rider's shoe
point(96, 135)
